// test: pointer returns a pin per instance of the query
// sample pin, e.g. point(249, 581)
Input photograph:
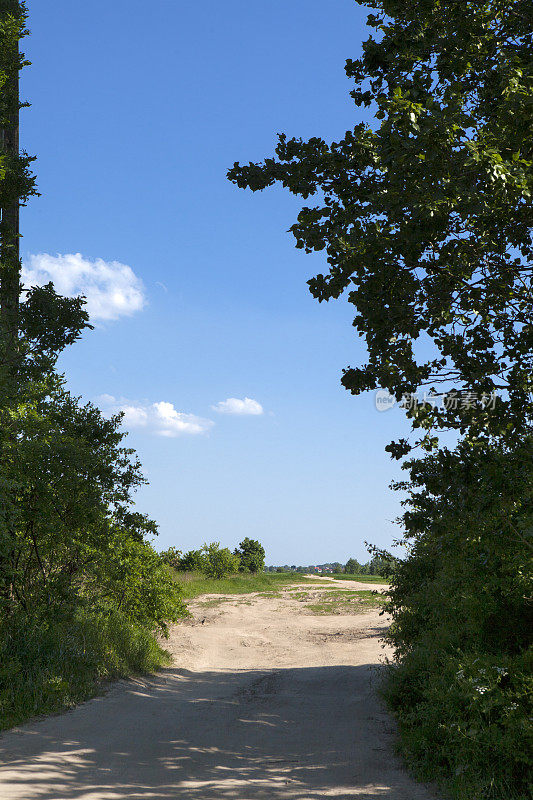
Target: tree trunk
point(9, 264)
point(10, 236)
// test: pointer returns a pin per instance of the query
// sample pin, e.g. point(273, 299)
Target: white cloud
point(160, 418)
point(134, 416)
point(112, 289)
point(172, 422)
point(235, 406)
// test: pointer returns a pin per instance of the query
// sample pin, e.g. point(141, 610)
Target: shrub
point(192, 561)
point(219, 562)
point(137, 582)
point(74, 557)
point(172, 557)
point(462, 621)
point(466, 720)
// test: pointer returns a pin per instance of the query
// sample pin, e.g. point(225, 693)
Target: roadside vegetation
point(50, 664)
point(425, 218)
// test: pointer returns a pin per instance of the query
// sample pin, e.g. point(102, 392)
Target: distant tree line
point(381, 563)
point(215, 561)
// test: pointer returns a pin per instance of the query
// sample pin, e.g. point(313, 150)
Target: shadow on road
point(288, 734)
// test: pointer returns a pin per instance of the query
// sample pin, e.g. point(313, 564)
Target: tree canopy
point(425, 216)
point(251, 555)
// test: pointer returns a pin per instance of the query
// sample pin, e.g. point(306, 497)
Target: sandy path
point(266, 702)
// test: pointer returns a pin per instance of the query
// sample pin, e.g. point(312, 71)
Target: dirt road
point(267, 700)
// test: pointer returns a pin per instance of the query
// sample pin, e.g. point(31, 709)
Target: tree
point(81, 588)
point(382, 562)
point(461, 664)
point(34, 332)
point(353, 567)
point(69, 538)
point(426, 217)
point(17, 183)
point(72, 537)
point(251, 555)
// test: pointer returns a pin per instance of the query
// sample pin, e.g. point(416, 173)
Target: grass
point(194, 584)
point(345, 602)
point(49, 665)
point(212, 602)
point(361, 578)
point(299, 595)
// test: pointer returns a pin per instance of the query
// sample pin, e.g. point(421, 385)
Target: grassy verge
point(361, 578)
point(345, 602)
point(49, 665)
point(194, 584)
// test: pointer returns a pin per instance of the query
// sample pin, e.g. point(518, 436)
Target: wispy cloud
point(160, 418)
point(235, 406)
point(112, 289)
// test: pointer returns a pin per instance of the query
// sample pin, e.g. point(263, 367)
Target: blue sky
point(197, 292)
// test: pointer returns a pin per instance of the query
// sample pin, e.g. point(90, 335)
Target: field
point(195, 583)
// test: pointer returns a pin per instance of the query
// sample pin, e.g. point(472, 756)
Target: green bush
point(68, 534)
point(135, 580)
point(172, 557)
point(219, 562)
point(191, 561)
point(466, 720)
point(462, 621)
point(82, 591)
